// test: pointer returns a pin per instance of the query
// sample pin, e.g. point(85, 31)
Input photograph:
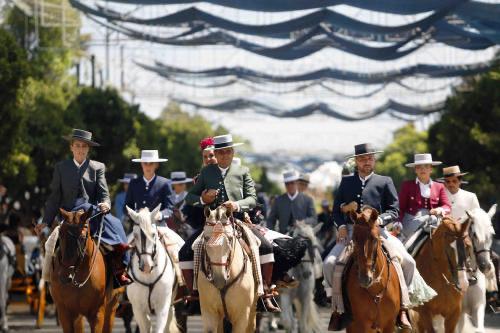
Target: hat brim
point(441, 180)
point(433, 163)
point(185, 181)
point(70, 138)
point(370, 153)
point(140, 160)
point(231, 146)
point(125, 181)
point(289, 180)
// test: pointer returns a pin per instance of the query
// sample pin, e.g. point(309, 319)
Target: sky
point(313, 135)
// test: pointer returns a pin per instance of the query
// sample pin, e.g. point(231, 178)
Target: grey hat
point(179, 177)
point(81, 135)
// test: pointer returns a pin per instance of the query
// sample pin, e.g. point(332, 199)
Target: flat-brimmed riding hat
point(149, 156)
point(225, 141)
point(452, 171)
point(81, 135)
point(364, 149)
point(422, 159)
point(127, 177)
point(290, 176)
point(179, 177)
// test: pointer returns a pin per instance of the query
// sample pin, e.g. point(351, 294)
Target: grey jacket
point(287, 212)
point(66, 184)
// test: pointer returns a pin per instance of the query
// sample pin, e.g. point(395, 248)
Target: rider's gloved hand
point(104, 207)
point(342, 233)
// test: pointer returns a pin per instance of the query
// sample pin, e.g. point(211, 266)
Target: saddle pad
point(414, 244)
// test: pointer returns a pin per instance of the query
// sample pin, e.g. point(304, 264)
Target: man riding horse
point(78, 183)
point(362, 188)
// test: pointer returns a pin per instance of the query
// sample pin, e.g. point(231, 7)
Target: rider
point(421, 197)
point(461, 200)
point(78, 182)
point(365, 187)
point(231, 186)
point(179, 182)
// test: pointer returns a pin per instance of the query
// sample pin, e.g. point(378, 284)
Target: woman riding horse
point(78, 182)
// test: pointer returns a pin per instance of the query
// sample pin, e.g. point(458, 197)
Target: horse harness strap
point(225, 289)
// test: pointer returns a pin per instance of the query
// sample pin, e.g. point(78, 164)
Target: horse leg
point(143, 319)
point(78, 324)
point(478, 316)
point(461, 321)
point(162, 317)
point(450, 322)
point(66, 320)
point(211, 323)
point(424, 323)
point(110, 310)
point(96, 322)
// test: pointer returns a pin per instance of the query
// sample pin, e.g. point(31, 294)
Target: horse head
point(73, 236)
point(366, 240)
point(219, 237)
point(145, 237)
point(448, 232)
point(482, 231)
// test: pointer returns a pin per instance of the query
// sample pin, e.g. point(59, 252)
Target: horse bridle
point(233, 243)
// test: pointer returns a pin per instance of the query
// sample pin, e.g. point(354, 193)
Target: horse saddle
point(416, 241)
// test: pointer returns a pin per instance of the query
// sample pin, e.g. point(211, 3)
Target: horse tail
point(312, 318)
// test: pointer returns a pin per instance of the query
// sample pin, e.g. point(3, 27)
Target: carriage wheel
point(41, 307)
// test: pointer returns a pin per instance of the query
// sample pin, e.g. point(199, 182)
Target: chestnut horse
point(79, 280)
point(437, 264)
point(372, 282)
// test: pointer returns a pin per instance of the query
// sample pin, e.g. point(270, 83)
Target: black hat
point(364, 149)
point(81, 135)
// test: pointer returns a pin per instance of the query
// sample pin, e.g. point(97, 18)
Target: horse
point(436, 262)
point(80, 284)
point(153, 273)
point(226, 284)
point(7, 266)
point(372, 282)
point(302, 296)
point(474, 300)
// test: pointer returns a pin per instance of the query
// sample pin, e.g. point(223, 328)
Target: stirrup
point(261, 305)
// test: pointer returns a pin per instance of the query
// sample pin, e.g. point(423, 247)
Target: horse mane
point(306, 230)
point(482, 225)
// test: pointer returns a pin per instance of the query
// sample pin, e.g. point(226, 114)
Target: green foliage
point(407, 142)
point(468, 134)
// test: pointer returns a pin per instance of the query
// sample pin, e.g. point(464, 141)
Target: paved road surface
point(21, 321)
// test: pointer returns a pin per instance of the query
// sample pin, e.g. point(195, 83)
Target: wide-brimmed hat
point(149, 156)
point(422, 159)
point(451, 172)
point(225, 141)
point(127, 177)
point(305, 177)
point(290, 176)
point(364, 149)
point(81, 135)
point(179, 177)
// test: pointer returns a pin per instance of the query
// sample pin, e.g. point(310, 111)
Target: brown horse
point(79, 280)
point(437, 264)
point(372, 282)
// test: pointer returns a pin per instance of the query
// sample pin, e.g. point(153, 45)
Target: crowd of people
point(80, 183)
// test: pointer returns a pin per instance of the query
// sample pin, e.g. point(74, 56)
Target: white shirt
point(77, 164)
point(292, 197)
point(176, 198)
point(461, 202)
point(364, 180)
point(223, 171)
point(148, 181)
point(425, 189)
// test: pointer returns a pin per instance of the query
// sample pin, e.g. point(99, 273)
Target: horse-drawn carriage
point(27, 285)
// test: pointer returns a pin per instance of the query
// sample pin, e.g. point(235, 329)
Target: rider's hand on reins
point(208, 196)
point(342, 233)
point(231, 205)
point(39, 228)
point(104, 207)
point(350, 207)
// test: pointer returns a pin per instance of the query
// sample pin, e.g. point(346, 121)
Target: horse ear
point(132, 213)
point(492, 211)
point(155, 212)
point(65, 214)
point(464, 226)
point(229, 211)
point(374, 215)
point(85, 216)
point(207, 211)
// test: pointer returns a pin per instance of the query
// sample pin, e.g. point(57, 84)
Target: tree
point(13, 72)
point(407, 142)
point(468, 134)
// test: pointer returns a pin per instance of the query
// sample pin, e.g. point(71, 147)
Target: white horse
point(303, 296)
point(7, 253)
point(474, 300)
point(153, 274)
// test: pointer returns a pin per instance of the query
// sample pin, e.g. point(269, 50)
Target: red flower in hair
point(207, 142)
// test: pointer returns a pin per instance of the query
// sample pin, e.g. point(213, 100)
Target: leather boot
point(191, 301)
point(404, 321)
point(268, 298)
point(119, 269)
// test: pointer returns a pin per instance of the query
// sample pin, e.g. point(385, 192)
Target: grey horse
point(7, 259)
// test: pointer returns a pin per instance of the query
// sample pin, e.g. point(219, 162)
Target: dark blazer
point(301, 208)
point(379, 192)
point(158, 192)
point(411, 200)
point(237, 186)
point(66, 182)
